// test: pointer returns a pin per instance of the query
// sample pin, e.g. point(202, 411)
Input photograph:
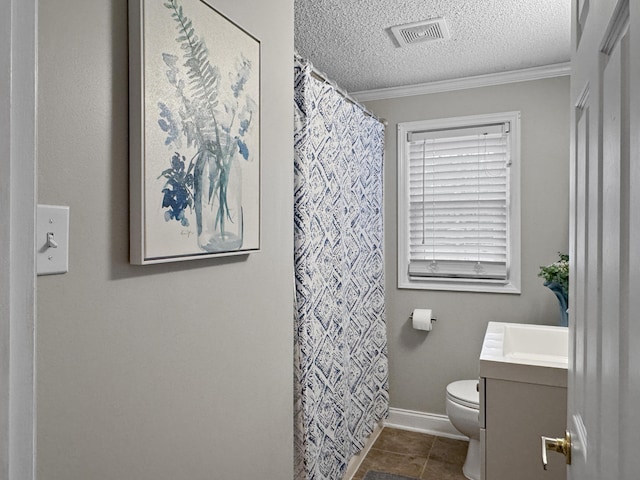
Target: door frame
point(18, 99)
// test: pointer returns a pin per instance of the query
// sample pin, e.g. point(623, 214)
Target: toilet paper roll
point(421, 318)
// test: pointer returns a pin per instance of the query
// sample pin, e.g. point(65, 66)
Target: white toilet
point(463, 408)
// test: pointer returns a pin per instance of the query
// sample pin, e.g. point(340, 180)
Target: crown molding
point(535, 73)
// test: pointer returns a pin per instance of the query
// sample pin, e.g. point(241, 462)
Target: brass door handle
point(560, 445)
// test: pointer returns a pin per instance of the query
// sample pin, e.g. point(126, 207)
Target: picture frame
point(194, 116)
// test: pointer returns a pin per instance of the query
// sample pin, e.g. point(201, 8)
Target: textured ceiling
point(350, 40)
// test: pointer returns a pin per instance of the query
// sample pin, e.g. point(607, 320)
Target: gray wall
point(177, 371)
point(421, 365)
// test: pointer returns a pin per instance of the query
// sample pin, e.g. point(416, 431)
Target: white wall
point(421, 365)
point(177, 371)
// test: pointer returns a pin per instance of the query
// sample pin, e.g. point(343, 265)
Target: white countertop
point(525, 353)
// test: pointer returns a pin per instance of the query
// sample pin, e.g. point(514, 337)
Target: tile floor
point(415, 455)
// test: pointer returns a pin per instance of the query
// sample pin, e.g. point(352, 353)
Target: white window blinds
point(458, 187)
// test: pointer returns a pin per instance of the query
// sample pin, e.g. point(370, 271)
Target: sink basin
point(528, 353)
point(536, 343)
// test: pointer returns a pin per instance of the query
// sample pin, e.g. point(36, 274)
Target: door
point(604, 370)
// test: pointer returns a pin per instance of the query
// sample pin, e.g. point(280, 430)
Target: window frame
point(512, 284)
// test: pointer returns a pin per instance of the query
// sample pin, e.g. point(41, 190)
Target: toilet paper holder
point(433, 319)
point(422, 319)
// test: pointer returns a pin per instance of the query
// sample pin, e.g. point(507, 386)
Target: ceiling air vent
point(409, 33)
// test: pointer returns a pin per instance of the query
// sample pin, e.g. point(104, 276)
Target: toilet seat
point(464, 392)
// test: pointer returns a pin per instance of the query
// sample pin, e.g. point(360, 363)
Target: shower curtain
point(340, 364)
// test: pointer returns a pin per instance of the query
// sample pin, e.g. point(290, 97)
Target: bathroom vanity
point(523, 396)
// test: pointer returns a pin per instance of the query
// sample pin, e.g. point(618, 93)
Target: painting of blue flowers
point(195, 133)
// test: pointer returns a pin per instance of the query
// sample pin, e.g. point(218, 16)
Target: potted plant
point(556, 278)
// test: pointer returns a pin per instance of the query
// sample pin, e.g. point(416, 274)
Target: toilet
point(462, 409)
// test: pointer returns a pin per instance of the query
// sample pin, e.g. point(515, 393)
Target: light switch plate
point(52, 240)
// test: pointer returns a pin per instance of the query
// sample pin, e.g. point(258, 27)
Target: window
point(458, 203)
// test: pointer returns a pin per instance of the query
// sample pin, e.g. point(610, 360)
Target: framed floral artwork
point(194, 133)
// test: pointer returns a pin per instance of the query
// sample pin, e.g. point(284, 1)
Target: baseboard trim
point(423, 422)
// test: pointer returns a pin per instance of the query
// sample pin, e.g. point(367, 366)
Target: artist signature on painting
point(187, 233)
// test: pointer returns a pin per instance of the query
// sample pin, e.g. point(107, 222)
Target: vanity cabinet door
point(516, 416)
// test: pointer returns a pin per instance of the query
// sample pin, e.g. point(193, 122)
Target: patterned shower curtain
point(341, 373)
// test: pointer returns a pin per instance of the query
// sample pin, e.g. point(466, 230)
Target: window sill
point(457, 285)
